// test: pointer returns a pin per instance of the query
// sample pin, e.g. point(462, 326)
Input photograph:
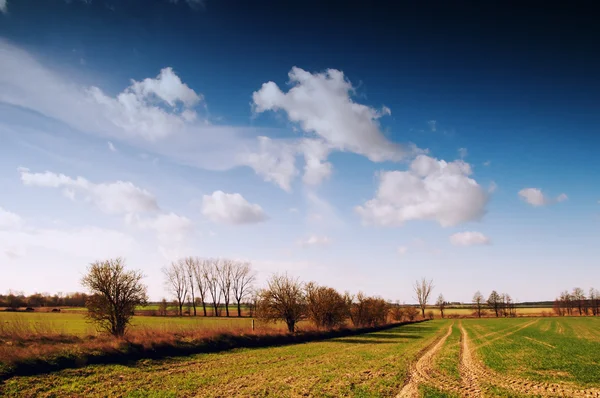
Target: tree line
point(208, 282)
point(501, 304)
point(577, 302)
point(16, 300)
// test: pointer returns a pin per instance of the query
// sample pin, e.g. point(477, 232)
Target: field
point(77, 324)
point(511, 357)
point(373, 364)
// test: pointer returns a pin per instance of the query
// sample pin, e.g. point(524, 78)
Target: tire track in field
point(423, 372)
point(420, 372)
point(468, 376)
point(478, 371)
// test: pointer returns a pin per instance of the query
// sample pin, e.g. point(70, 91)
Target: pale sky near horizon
point(358, 147)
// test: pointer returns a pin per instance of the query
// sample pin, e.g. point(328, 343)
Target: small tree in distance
point(478, 300)
point(441, 304)
point(115, 292)
point(422, 290)
point(495, 302)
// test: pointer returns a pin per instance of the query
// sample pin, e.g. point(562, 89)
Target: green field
point(373, 364)
point(512, 357)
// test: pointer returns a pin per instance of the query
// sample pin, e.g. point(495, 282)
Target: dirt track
point(476, 378)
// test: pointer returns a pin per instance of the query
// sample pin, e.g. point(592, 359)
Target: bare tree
point(579, 299)
point(225, 280)
point(115, 292)
point(163, 306)
point(594, 301)
point(495, 302)
point(210, 272)
point(176, 281)
point(283, 299)
point(422, 290)
point(188, 264)
point(243, 278)
point(200, 278)
point(478, 300)
point(441, 304)
point(567, 302)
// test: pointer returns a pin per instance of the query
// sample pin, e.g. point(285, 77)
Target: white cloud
point(169, 227)
point(463, 152)
point(402, 250)
point(493, 187)
point(9, 220)
point(315, 240)
point(536, 198)
point(431, 190)
point(90, 243)
point(469, 238)
point(275, 161)
point(3, 7)
point(487, 163)
point(111, 147)
point(322, 104)
point(432, 125)
point(136, 110)
point(316, 169)
point(229, 208)
point(562, 197)
point(118, 197)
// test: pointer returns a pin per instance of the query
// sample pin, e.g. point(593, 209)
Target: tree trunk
point(216, 307)
point(239, 309)
point(291, 324)
point(204, 307)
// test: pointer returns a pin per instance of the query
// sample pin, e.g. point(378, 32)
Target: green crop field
point(513, 357)
point(374, 364)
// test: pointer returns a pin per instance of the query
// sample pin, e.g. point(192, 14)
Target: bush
point(325, 307)
point(368, 311)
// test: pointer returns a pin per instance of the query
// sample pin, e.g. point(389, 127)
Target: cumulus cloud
point(137, 109)
point(231, 208)
point(469, 238)
point(431, 189)
point(118, 197)
point(9, 220)
point(492, 187)
point(275, 161)
point(321, 104)
point(316, 168)
point(463, 152)
point(536, 198)
point(314, 240)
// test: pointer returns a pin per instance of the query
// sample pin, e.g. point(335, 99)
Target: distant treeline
point(19, 300)
point(577, 302)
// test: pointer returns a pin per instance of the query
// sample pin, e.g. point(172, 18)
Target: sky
point(361, 146)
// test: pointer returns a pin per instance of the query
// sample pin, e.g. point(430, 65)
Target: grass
point(77, 324)
point(542, 349)
point(367, 365)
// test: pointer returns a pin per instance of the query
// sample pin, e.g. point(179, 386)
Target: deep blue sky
point(516, 85)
